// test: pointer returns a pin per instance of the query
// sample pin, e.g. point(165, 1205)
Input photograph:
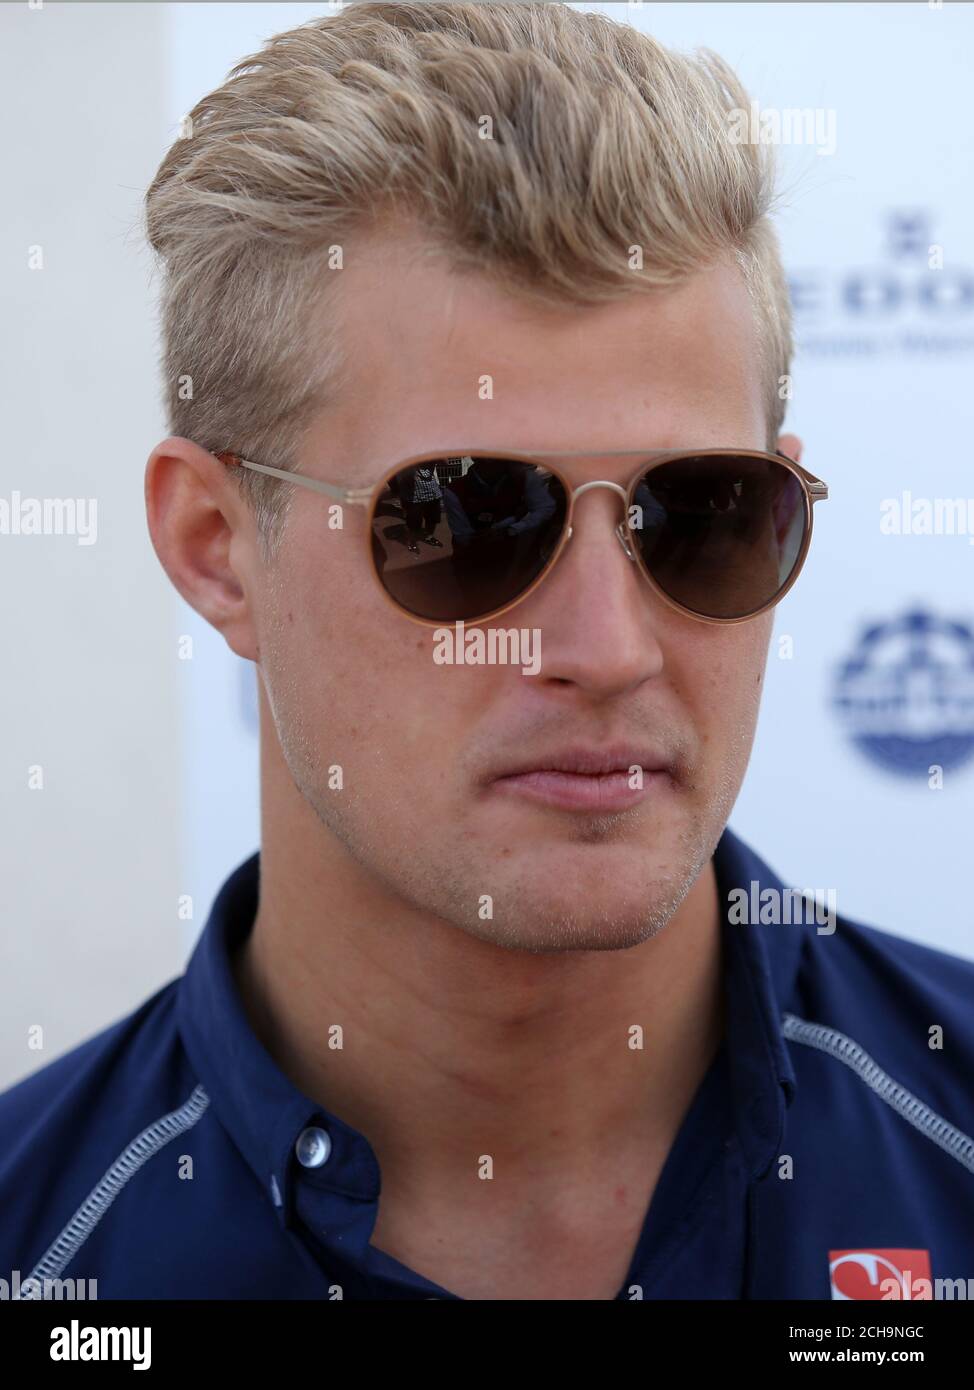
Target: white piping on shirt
point(59, 1254)
point(940, 1131)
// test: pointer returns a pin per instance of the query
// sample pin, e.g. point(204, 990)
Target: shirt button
point(313, 1147)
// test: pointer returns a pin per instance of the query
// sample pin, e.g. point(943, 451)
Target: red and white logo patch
point(880, 1274)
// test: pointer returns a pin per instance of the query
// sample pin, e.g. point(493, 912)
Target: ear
point(791, 446)
point(205, 536)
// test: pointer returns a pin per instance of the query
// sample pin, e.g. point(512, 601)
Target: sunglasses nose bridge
point(620, 529)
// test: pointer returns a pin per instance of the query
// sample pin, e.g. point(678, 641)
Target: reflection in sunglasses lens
point(457, 538)
point(720, 535)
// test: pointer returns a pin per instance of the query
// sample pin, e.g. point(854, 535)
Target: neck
point(453, 1048)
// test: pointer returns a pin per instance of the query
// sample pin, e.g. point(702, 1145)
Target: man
point(492, 1014)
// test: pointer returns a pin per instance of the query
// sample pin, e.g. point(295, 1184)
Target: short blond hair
point(601, 140)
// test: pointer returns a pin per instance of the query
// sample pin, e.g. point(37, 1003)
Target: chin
point(582, 920)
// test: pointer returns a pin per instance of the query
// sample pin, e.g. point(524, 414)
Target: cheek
point(352, 682)
point(723, 679)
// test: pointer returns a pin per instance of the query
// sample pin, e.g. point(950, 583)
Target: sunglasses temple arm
point(350, 496)
point(360, 497)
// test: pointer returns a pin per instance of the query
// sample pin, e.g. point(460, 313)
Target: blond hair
point(601, 140)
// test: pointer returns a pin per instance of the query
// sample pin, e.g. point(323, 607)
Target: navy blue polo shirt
point(827, 1144)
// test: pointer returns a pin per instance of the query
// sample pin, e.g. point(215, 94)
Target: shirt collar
point(265, 1113)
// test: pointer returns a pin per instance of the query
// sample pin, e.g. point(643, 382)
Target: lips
point(588, 779)
point(591, 762)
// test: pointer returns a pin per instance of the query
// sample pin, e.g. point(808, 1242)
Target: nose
point(600, 639)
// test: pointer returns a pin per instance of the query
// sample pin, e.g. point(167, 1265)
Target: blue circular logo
point(906, 696)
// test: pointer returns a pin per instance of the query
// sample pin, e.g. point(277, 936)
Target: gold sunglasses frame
point(813, 490)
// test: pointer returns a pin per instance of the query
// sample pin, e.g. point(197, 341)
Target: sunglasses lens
point(455, 539)
point(721, 534)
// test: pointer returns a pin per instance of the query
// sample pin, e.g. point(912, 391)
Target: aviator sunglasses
point(719, 534)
